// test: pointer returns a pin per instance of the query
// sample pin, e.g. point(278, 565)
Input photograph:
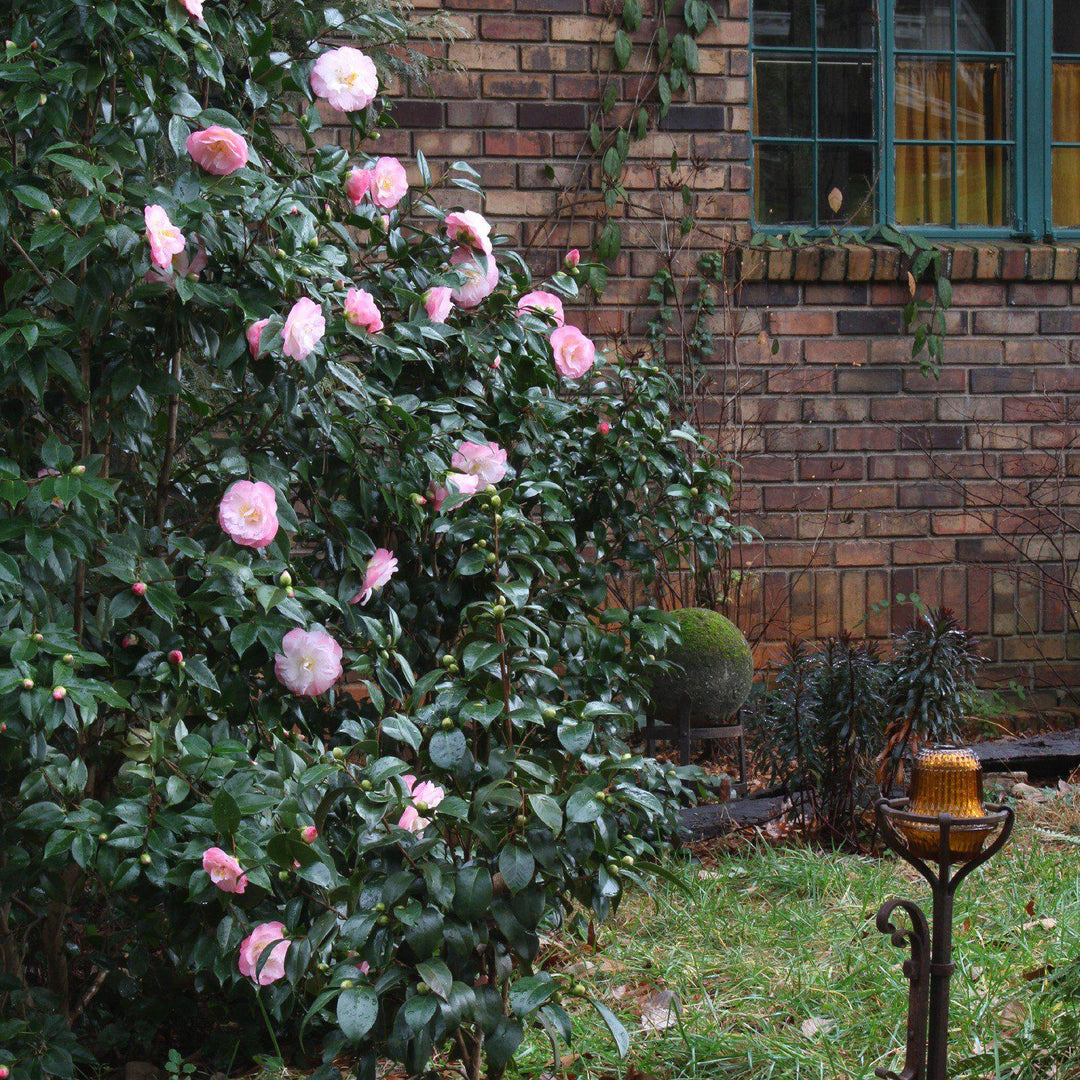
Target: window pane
point(983, 26)
point(782, 22)
point(783, 97)
point(845, 99)
point(981, 185)
point(923, 24)
point(923, 99)
point(1066, 102)
point(851, 170)
point(980, 100)
point(784, 187)
point(1066, 26)
point(1066, 207)
point(845, 24)
point(924, 185)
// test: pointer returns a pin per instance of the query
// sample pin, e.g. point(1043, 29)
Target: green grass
point(758, 942)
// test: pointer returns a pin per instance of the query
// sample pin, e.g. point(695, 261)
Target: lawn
point(781, 972)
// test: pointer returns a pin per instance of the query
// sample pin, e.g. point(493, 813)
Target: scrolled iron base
point(930, 967)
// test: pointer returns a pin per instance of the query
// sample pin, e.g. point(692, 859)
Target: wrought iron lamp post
point(945, 822)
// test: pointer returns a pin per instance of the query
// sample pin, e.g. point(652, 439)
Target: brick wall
point(865, 478)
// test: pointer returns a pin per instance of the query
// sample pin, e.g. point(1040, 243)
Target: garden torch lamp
point(944, 822)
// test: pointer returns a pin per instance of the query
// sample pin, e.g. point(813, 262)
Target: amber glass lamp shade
point(946, 780)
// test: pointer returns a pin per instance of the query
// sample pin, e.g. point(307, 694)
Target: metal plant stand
point(684, 733)
point(930, 967)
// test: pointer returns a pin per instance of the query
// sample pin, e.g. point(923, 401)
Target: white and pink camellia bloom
point(389, 183)
point(469, 228)
point(184, 265)
point(475, 466)
point(438, 303)
point(248, 513)
point(346, 78)
point(224, 870)
point(193, 8)
point(254, 335)
point(165, 239)
point(358, 185)
point(542, 303)
point(304, 329)
point(425, 796)
point(574, 352)
point(255, 944)
point(381, 568)
point(218, 150)
point(362, 311)
point(478, 284)
point(309, 662)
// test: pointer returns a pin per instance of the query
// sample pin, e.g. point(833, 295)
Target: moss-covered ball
point(717, 669)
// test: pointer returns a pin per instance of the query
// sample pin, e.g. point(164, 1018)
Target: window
point(957, 117)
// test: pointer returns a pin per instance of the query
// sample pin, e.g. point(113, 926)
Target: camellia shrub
point(313, 702)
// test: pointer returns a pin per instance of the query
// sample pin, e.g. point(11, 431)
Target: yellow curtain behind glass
point(923, 105)
point(923, 111)
point(1066, 166)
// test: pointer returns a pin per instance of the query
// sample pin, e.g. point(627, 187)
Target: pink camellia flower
point(248, 513)
point(496, 363)
point(380, 569)
point(475, 465)
point(218, 150)
point(224, 870)
point(365, 967)
point(176, 657)
point(254, 945)
point(309, 834)
point(425, 796)
point(539, 302)
point(478, 285)
point(193, 8)
point(603, 427)
point(253, 334)
point(304, 329)
point(358, 185)
point(346, 78)
point(572, 258)
point(469, 228)
point(309, 662)
point(165, 239)
point(574, 352)
point(437, 495)
point(388, 183)
point(183, 265)
point(361, 310)
point(438, 304)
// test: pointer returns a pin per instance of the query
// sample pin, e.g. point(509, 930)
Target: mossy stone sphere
point(717, 669)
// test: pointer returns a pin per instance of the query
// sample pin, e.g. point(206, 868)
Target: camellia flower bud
point(309, 834)
point(54, 213)
point(68, 658)
point(28, 684)
point(572, 258)
point(285, 578)
point(176, 657)
point(78, 470)
point(603, 427)
point(59, 693)
point(128, 640)
point(139, 588)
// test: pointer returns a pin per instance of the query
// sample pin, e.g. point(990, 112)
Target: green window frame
point(1028, 142)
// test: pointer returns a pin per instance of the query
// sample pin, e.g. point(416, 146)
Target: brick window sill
point(881, 262)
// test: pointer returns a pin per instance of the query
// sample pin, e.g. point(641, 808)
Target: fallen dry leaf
point(661, 1011)
point(816, 1025)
